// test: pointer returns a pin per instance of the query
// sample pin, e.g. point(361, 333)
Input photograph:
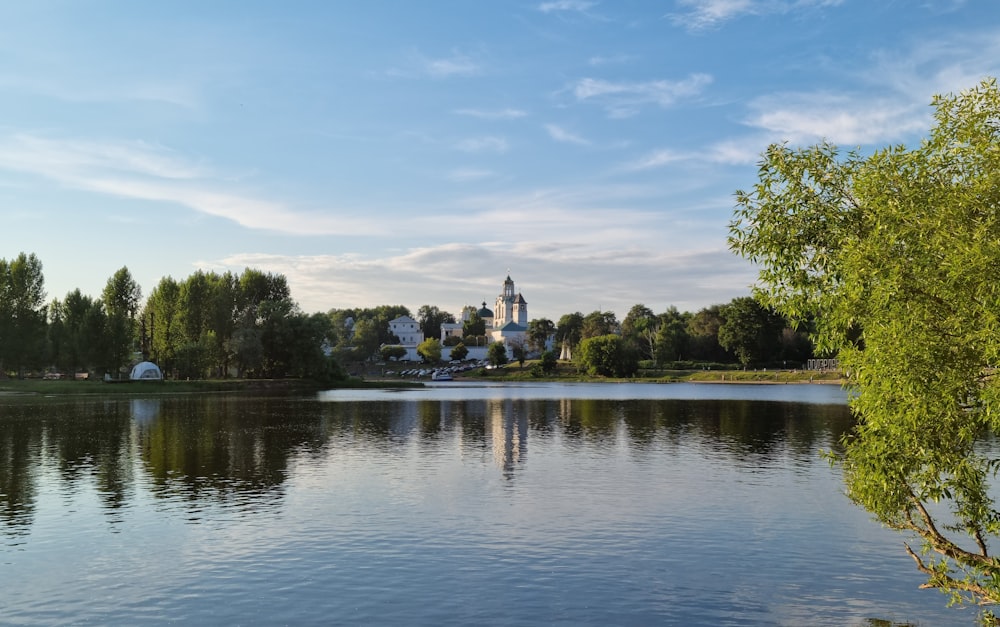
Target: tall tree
point(895, 254)
point(23, 313)
point(539, 332)
point(750, 330)
point(640, 327)
point(703, 335)
point(431, 318)
point(598, 323)
point(121, 298)
point(672, 338)
point(569, 329)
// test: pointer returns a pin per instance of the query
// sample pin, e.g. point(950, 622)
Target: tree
point(430, 350)
point(548, 362)
point(640, 327)
point(569, 330)
point(519, 351)
point(539, 332)
point(895, 254)
point(121, 297)
point(474, 326)
point(598, 323)
point(751, 331)
point(607, 356)
point(459, 352)
point(703, 335)
point(431, 318)
point(672, 339)
point(23, 313)
point(496, 354)
point(393, 351)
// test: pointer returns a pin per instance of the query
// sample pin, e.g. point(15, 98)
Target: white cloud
point(565, 5)
point(454, 66)
point(420, 66)
point(840, 119)
point(488, 114)
point(469, 174)
point(483, 144)
point(706, 14)
point(562, 135)
point(656, 159)
point(547, 274)
point(623, 99)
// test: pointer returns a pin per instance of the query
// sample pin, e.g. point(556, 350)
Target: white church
point(507, 322)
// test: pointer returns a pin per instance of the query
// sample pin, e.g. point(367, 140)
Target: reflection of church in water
point(509, 430)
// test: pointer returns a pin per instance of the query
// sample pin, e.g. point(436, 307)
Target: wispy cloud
point(418, 65)
point(565, 5)
point(562, 135)
point(706, 14)
point(623, 99)
point(463, 175)
point(656, 159)
point(143, 171)
point(482, 144)
point(838, 118)
point(493, 114)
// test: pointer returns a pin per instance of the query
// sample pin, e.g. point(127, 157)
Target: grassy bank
point(39, 387)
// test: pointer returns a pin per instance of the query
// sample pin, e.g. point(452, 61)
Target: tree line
point(247, 325)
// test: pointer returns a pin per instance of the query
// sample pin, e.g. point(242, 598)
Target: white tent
point(146, 371)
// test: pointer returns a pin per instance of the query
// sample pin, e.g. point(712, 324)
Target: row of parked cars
point(455, 367)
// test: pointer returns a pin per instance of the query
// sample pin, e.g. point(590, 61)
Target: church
point(510, 315)
point(507, 322)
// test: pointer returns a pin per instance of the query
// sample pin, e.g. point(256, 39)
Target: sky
point(398, 152)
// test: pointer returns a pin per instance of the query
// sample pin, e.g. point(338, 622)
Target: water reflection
point(240, 450)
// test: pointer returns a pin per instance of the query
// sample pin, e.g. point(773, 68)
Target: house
point(409, 333)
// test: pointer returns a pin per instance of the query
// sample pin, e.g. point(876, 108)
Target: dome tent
point(146, 371)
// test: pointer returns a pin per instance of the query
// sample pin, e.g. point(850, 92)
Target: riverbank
point(565, 373)
point(39, 387)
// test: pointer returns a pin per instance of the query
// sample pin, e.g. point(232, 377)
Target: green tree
point(750, 330)
point(366, 339)
point(598, 323)
point(23, 313)
point(672, 339)
point(474, 326)
point(607, 356)
point(431, 318)
point(121, 298)
point(519, 351)
point(569, 330)
point(459, 351)
point(895, 254)
point(539, 332)
point(496, 354)
point(703, 335)
point(393, 351)
point(430, 350)
point(548, 362)
point(640, 328)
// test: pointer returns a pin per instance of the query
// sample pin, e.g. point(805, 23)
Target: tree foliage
point(895, 255)
point(496, 354)
point(23, 313)
point(430, 350)
point(607, 356)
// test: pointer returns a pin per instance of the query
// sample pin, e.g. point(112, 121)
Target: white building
point(409, 333)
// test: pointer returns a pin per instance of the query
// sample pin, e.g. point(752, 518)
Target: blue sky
point(401, 152)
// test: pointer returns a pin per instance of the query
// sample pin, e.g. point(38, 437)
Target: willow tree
point(896, 255)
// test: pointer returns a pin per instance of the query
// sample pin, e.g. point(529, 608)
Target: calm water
point(455, 505)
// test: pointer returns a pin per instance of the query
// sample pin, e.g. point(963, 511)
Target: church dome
point(484, 312)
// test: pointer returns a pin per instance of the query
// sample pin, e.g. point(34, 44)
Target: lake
point(457, 504)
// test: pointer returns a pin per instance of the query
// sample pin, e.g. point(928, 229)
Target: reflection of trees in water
point(20, 441)
point(208, 447)
point(237, 450)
